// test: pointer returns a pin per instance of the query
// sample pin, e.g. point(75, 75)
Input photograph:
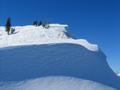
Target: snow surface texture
point(27, 35)
point(118, 74)
point(55, 83)
point(51, 52)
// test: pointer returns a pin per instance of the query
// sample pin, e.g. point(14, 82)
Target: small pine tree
point(35, 23)
point(40, 23)
point(8, 25)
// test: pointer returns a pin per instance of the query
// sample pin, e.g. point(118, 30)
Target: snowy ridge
point(55, 83)
point(35, 58)
point(27, 35)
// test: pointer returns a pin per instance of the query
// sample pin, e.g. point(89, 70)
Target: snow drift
point(51, 52)
point(27, 35)
point(31, 34)
point(29, 62)
point(55, 83)
point(118, 74)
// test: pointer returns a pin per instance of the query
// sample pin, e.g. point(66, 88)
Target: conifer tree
point(8, 25)
point(40, 23)
point(35, 23)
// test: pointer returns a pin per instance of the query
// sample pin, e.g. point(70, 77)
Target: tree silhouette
point(35, 23)
point(8, 25)
point(40, 23)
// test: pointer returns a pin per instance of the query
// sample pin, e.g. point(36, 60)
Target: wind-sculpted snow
point(29, 35)
point(29, 62)
point(55, 83)
point(31, 53)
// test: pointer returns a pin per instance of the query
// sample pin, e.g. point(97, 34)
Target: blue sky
point(95, 20)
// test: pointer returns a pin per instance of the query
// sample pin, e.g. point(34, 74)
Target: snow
point(27, 35)
point(34, 57)
point(29, 62)
point(118, 74)
point(55, 83)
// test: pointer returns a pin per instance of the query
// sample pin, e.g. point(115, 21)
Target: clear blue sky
point(95, 20)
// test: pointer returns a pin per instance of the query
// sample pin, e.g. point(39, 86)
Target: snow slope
point(55, 83)
point(27, 35)
point(118, 74)
point(34, 52)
